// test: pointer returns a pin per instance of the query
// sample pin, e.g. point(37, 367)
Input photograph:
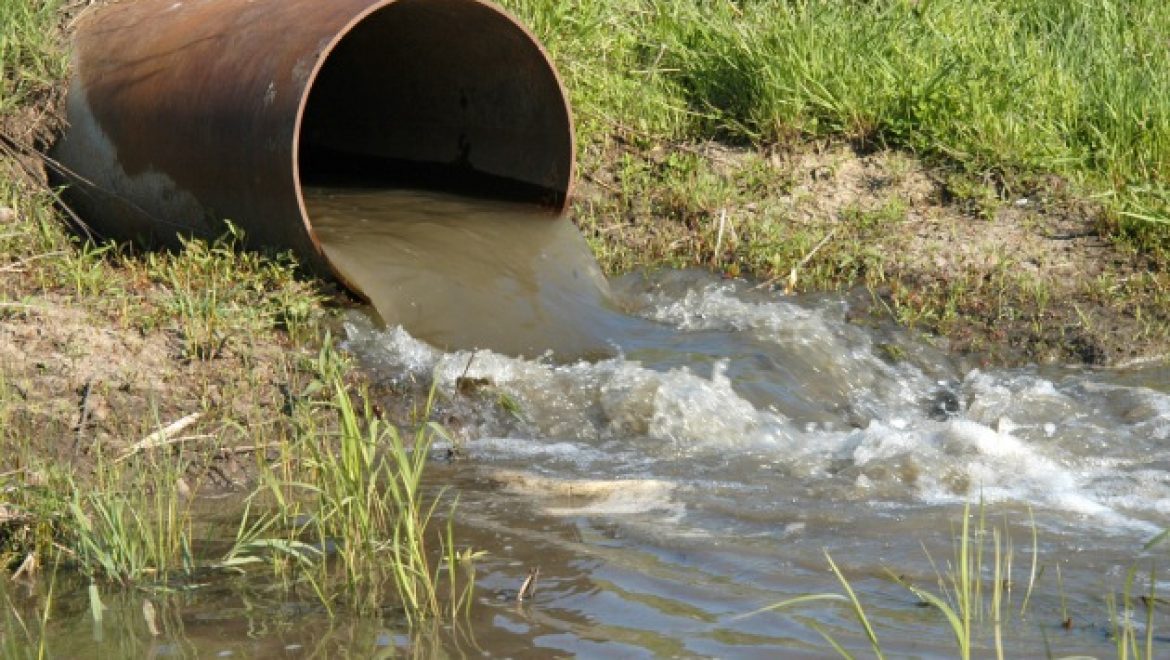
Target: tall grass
point(974, 596)
point(1080, 89)
point(1129, 641)
point(134, 527)
point(344, 508)
point(25, 637)
point(362, 523)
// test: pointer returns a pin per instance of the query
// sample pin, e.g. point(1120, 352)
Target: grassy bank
point(134, 386)
point(994, 172)
point(1009, 88)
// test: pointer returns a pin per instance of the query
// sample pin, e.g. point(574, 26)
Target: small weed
point(974, 592)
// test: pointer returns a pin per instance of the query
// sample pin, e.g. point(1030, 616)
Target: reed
point(25, 637)
point(358, 498)
point(1123, 616)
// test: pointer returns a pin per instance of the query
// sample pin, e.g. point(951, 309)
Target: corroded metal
point(186, 113)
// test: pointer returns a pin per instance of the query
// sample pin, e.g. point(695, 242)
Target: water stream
point(676, 450)
point(689, 447)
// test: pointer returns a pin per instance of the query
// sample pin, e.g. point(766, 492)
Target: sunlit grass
point(131, 535)
point(33, 60)
point(1075, 88)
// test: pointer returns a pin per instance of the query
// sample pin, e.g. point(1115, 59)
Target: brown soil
point(1007, 273)
point(1035, 277)
point(78, 386)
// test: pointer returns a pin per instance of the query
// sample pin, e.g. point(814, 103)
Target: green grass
point(1064, 103)
point(1080, 89)
point(974, 590)
point(341, 508)
point(235, 338)
point(364, 525)
point(31, 53)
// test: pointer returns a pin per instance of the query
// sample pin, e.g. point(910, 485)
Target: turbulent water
point(465, 273)
point(719, 438)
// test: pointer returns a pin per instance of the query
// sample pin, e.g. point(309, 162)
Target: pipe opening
point(438, 94)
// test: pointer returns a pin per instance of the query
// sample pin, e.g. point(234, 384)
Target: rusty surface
point(184, 113)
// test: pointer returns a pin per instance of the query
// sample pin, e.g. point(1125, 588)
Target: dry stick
point(528, 588)
point(18, 265)
point(63, 169)
point(599, 182)
point(162, 436)
point(12, 149)
point(166, 442)
point(28, 567)
point(719, 236)
point(803, 262)
point(654, 67)
point(151, 618)
point(467, 368)
point(87, 5)
point(242, 449)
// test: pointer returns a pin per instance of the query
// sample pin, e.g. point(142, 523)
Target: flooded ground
point(684, 450)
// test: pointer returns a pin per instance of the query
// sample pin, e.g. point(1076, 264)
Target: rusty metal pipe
point(186, 113)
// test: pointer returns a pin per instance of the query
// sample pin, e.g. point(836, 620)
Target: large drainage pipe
point(186, 113)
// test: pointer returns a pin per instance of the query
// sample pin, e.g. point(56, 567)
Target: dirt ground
point(1010, 273)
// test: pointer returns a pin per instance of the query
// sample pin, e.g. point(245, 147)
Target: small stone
point(7, 215)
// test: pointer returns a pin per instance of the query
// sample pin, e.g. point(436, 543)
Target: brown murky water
point(715, 443)
point(461, 273)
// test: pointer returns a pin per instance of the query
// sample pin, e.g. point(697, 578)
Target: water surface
point(699, 463)
point(674, 450)
point(468, 273)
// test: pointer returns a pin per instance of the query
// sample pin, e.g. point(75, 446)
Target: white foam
point(520, 448)
point(1069, 442)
